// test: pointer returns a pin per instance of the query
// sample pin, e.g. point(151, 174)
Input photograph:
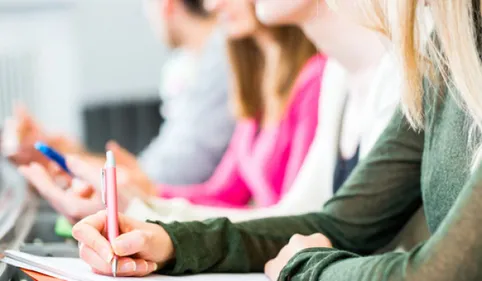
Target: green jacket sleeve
point(366, 214)
point(454, 252)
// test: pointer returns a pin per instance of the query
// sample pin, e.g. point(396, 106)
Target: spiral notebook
point(71, 269)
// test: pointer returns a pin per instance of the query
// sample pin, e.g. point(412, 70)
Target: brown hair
point(196, 7)
point(248, 63)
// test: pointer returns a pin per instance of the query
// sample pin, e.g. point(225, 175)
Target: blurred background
point(78, 66)
point(85, 61)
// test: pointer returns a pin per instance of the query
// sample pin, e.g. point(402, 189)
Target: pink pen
point(109, 180)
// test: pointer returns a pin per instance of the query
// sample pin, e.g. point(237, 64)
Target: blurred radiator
point(16, 81)
point(132, 124)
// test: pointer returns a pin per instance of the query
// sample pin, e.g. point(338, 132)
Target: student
point(359, 96)
point(277, 77)
point(432, 145)
point(195, 105)
point(277, 74)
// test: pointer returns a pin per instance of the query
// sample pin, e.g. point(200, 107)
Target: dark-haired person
point(194, 91)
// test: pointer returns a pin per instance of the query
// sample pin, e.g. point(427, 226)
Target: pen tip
point(114, 267)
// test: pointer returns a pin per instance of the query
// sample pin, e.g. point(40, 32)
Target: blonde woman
point(432, 146)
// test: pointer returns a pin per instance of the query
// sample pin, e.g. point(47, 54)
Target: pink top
point(261, 163)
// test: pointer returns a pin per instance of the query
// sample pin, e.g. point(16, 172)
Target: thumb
point(122, 156)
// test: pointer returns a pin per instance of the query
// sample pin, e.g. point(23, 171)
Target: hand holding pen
point(75, 202)
point(141, 249)
point(138, 251)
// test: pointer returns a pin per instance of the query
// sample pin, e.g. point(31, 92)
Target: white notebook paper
point(76, 270)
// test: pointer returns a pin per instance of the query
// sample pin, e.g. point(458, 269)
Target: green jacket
point(404, 169)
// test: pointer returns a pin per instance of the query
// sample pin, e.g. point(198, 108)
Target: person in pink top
point(262, 161)
point(276, 86)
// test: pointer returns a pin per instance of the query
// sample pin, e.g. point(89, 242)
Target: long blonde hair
point(457, 60)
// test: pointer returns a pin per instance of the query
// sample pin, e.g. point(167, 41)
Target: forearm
point(222, 246)
point(324, 264)
point(454, 252)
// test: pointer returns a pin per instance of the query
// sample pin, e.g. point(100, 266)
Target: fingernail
point(156, 266)
point(128, 267)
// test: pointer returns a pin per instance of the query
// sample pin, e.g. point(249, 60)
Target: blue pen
point(53, 155)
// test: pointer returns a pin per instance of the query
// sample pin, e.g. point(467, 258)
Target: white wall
point(86, 52)
point(118, 52)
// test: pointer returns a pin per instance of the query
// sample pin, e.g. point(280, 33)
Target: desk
point(17, 212)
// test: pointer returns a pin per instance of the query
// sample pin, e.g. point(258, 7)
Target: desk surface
point(17, 213)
